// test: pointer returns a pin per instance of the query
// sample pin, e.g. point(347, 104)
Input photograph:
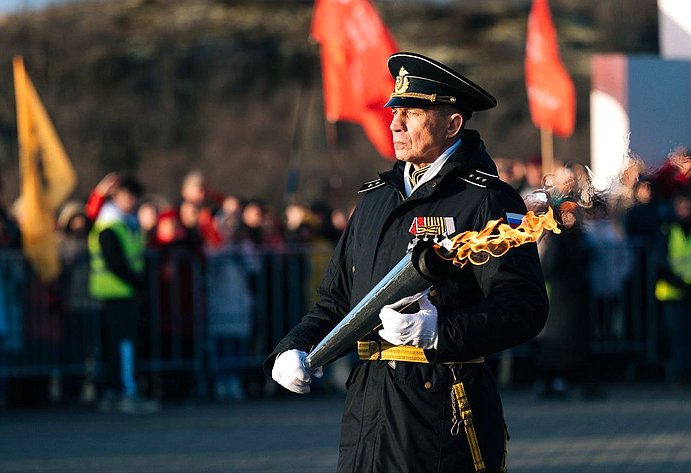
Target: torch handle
point(414, 273)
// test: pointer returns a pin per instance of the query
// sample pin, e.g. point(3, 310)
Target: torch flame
point(497, 238)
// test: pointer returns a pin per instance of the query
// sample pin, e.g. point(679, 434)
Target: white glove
point(418, 329)
point(289, 371)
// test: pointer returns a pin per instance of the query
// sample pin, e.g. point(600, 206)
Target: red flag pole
point(547, 150)
point(335, 179)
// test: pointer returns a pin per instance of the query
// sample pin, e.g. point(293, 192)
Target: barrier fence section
point(211, 318)
point(204, 317)
point(624, 313)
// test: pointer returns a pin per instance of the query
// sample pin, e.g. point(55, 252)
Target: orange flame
point(497, 238)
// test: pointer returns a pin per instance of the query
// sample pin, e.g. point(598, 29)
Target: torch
point(420, 269)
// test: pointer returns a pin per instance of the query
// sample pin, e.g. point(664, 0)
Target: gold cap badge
point(402, 82)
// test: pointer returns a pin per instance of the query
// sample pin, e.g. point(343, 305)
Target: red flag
point(551, 94)
point(355, 45)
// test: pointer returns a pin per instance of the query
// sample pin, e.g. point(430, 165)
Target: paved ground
point(636, 428)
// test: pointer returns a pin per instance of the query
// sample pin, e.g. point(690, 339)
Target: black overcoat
point(565, 340)
point(398, 419)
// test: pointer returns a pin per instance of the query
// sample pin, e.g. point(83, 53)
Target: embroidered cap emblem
point(402, 81)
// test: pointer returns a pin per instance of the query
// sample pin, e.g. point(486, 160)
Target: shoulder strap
point(371, 185)
point(478, 178)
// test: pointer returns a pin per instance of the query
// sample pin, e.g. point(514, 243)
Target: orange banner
point(551, 94)
point(355, 45)
point(47, 177)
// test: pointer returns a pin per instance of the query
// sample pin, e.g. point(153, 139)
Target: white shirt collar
point(431, 172)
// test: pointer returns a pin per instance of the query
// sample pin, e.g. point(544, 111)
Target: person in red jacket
point(195, 192)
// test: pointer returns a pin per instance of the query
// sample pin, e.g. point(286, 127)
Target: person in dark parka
point(564, 344)
point(403, 416)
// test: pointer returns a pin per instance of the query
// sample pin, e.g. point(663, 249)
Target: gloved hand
point(418, 329)
point(289, 371)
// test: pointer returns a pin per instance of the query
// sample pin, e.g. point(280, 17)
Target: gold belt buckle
point(369, 350)
point(374, 350)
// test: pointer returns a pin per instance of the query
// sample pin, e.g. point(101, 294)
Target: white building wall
point(674, 19)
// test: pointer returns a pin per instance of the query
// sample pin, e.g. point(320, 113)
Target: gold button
point(428, 385)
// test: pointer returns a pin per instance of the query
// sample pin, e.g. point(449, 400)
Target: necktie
point(416, 175)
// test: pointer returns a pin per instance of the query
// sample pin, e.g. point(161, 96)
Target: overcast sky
point(9, 6)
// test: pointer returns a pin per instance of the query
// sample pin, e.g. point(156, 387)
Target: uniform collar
point(433, 170)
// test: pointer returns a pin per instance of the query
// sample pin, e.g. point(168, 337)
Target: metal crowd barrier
point(216, 316)
point(624, 316)
point(204, 317)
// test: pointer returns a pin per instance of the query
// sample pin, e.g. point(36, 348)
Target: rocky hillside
point(231, 87)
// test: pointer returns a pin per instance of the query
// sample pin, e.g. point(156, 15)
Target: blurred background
point(217, 108)
point(161, 87)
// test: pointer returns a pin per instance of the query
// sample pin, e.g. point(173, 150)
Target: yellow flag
point(47, 177)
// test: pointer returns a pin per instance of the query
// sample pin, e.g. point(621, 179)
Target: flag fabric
point(514, 219)
point(355, 45)
point(551, 93)
point(47, 177)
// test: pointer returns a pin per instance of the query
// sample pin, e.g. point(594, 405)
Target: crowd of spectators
point(188, 240)
point(204, 219)
point(605, 270)
point(593, 268)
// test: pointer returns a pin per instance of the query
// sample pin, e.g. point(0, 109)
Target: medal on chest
point(431, 228)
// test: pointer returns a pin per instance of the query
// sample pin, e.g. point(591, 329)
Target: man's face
point(568, 219)
point(682, 208)
point(685, 166)
point(252, 215)
point(189, 214)
point(194, 192)
point(420, 134)
point(125, 200)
